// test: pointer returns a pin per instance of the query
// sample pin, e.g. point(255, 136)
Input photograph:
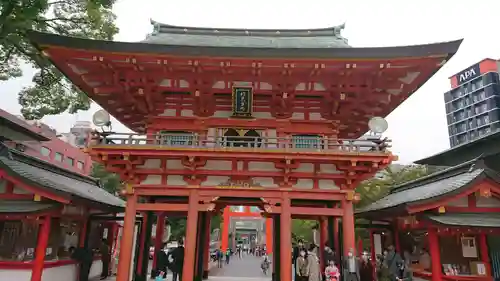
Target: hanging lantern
point(485, 192)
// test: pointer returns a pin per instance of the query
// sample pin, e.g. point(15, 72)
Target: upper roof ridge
point(334, 31)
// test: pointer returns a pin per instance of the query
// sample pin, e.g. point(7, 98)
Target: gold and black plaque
point(242, 101)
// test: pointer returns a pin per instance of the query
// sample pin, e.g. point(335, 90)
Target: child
point(332, 272)
point(159, 277)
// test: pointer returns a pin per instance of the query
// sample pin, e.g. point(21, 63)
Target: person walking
point(301, 267)
point(105, 258)
point(85, 258)
point(162, 261)
point(228, 255)
point(315, 272)
point(177, 262)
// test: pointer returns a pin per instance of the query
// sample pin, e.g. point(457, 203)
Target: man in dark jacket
point(178, 261)
point(85, 258)
point(161, 261)
point(105, 252)
point(296, 252)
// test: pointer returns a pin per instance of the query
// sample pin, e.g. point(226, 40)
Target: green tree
point(178, 225)
point(51, 92)
point(303, 229)
point(374, 189)
point(111, 182)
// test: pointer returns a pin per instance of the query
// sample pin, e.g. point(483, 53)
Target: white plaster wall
point(327, 184)
point(60, 273)
point(461, 202)
point(264, 182)
point(487, 202)
point(215, 180)
point(174, 164)
point(305, 167)
point(151, 164)
point(168, 112)
point(187, 113)
point(262, 166)
point(328, 169)
point(298, 116)
point(152, 179)
point(304, 184)
point(175, 180)
point(218, 165)
point(315, 116)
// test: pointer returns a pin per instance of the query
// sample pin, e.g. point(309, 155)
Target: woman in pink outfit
point(332, 272)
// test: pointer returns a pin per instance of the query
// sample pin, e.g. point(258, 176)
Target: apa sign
point(468, 74)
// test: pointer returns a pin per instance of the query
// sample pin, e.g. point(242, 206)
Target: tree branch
point(76, 20)
point(57, 2)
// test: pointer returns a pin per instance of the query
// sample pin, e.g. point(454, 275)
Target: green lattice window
point(306, 141)
point(176, 138)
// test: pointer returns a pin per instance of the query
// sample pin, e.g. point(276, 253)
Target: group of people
point(391, 266)
point(307, 266)
point(85, 257)
point(221, 256)
point(170, 260)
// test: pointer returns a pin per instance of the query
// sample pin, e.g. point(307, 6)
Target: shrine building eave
point(486, 147)
point(480, 220)
point(431, 192)
point(62, 183)
point(46, 40)
point(134, 82)
point(15, 129)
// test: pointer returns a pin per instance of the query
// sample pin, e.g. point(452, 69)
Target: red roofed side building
point(55, 151)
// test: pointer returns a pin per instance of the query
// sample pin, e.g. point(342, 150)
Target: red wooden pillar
point(336, 235)
point(160, 228)
point(483, 249)
point(127, 241)
point(41, 248)
point(269, 236)
point(191, 231)
point(225, 229)
point(83, 232)
point(397, 244)
point(142, 241)
point(436, 267)
point(206, 266)
point(286, 238)
point(323, 236)
point(348, 228)
point(372, 255)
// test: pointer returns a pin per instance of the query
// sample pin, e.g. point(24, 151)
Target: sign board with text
point(468, 74)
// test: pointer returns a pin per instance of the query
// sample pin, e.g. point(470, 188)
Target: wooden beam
point(16, 196)
point(305, 211)
point(169, 207)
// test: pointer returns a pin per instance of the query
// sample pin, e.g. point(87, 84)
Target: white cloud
point(418, 127)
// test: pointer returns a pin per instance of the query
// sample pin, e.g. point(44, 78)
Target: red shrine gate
point(246, 212)
point(282, 109)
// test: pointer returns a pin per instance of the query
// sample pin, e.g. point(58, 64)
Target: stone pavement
point(244, 269)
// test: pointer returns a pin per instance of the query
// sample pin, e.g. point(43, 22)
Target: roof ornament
point(156, 27)
point(338, 29)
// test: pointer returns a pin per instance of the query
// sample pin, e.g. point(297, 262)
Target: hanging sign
point(242, 101)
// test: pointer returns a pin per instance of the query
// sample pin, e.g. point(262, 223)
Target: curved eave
point(485, 146)
point(424, 204)
point(444, 50)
